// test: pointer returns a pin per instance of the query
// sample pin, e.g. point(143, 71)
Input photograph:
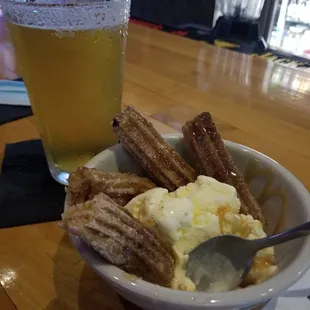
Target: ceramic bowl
point(286, 203)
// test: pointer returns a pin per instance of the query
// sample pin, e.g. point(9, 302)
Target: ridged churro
point(121, 239)
point(213, 159)
point(85, 183)
point(162, 163)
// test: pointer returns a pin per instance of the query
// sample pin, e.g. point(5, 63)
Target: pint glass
point(71, 57)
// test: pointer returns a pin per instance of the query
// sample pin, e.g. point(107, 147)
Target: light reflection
point(245, 70)
point(238, 68)
point(287, 78)
point(235, 66)
point(267, 76)
point(7, 277)
point(201, 70)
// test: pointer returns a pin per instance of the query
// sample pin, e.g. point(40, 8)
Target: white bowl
point(281, 195)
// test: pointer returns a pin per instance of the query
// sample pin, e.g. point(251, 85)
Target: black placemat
point(10, 113)
point(28, 193)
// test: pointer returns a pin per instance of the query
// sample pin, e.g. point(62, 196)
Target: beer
point(73, 77)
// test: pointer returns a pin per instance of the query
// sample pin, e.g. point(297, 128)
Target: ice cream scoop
point(222, 263)
point(193, 214)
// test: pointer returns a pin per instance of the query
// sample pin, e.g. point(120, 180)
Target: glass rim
point(36, 4)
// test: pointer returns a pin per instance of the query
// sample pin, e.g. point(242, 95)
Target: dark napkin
point(28, 193)
point(10, 113)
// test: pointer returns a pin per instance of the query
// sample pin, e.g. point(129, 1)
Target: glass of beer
point(71, 55)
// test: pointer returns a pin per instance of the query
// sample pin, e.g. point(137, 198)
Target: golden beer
point(73, 77)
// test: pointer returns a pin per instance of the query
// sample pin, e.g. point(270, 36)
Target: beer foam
point(56, 15)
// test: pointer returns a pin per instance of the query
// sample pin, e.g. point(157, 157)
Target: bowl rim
point(250, 295)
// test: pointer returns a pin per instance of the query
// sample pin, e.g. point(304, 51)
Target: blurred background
point(284, 25)
point(277, 29)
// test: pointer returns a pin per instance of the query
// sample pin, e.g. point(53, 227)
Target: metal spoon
point(222, 263)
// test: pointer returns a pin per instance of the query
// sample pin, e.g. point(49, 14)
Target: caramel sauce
point(243, 228)
point(221, 216)
point(253, 170)
point(262, 262)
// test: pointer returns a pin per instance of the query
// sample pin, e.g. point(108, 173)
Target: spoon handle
point(288, 235)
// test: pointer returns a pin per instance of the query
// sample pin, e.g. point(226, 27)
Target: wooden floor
point(257, 103)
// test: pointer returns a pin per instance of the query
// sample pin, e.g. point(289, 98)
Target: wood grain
point(5, 302)
point(170, 79)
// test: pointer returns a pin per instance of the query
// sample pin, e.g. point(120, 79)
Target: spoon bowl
point(222, 263)
point(218, 265)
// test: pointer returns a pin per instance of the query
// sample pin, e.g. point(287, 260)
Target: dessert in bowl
point(147, 227)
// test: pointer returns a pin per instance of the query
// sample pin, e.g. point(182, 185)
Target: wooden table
point(254, 102)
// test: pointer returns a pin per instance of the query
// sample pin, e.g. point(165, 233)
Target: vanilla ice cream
point(195, 213)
